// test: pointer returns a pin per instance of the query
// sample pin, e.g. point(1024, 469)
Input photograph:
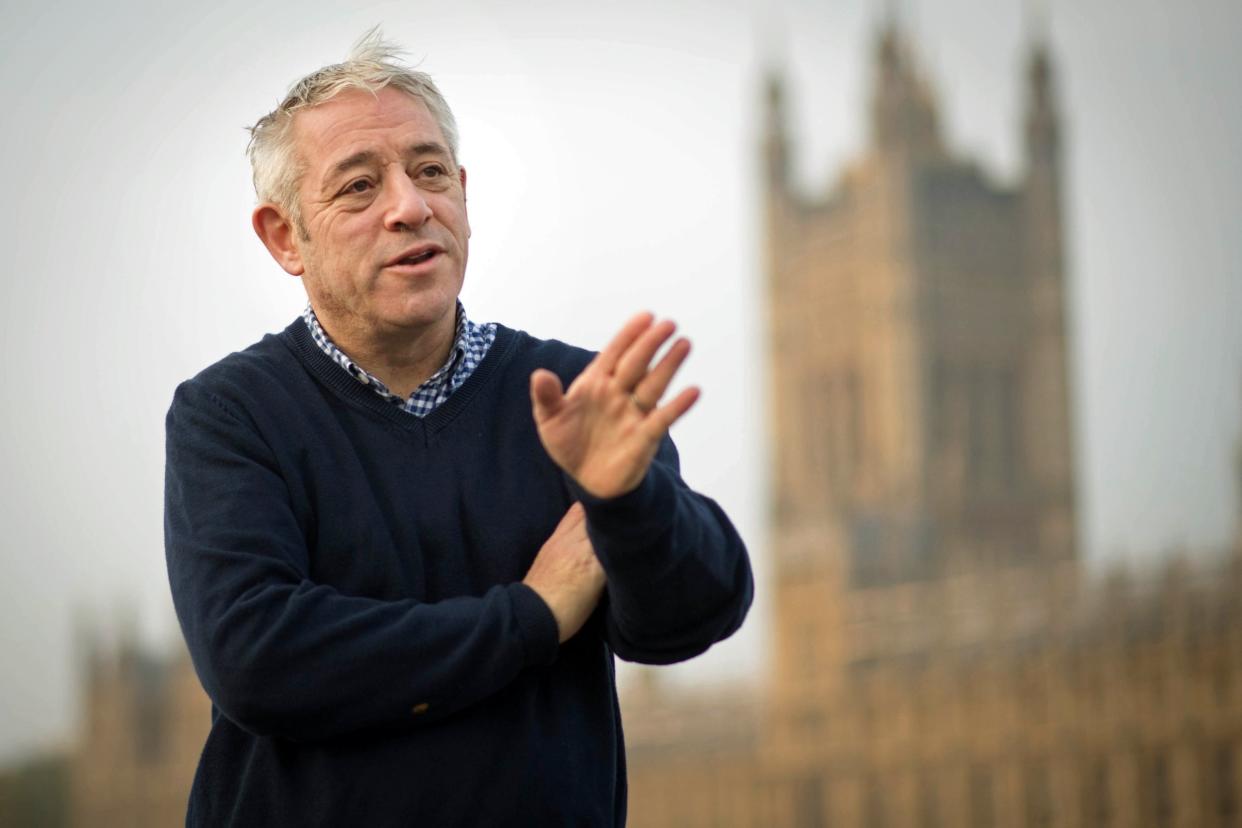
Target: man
point(404, 547)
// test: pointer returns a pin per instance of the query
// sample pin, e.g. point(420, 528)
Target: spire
point(771, 29)
point(1042, 133)
point(903, 111)
point(87, 644)
point(776, 134)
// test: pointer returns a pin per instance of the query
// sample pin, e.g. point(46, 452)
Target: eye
point(357, 187)
point(432, 171)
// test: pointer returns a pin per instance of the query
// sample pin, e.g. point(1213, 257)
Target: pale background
point(612, 158)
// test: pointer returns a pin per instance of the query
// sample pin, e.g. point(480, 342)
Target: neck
point(402, 360)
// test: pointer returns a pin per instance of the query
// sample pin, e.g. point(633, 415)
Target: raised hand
point(604, 430)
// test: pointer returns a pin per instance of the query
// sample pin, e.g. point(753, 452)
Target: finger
point(572, 515)
point(632, 366)
point(546, 393)
point(664, 416)
point(575, 516)
point(631, 330)
point(652, 387)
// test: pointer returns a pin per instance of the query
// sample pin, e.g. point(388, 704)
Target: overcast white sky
point(611, 151)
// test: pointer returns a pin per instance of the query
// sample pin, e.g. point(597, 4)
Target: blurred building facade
point(144, 720)
point(940, 656)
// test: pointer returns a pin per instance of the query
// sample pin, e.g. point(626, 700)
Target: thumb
point(546, 393)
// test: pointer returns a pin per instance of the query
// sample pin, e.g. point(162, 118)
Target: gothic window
point(1008, 428)
point(809, 802)
point(929, 808)
point(976, 443)
point(981, 810)
point(1096, 797)
point(853, 431)
point(939, 393)
point(1161, 793)
point(992, 428)
point(868, 566)
point(1222, 670)
point(834, 439)
point(876, 812)
point(821, 434)
point(808, 640)
point(1038, 796)
point(1226, 776)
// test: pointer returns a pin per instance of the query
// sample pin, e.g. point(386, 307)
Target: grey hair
point(371, 65)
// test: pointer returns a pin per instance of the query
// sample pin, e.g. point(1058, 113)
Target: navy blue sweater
point(348, 580)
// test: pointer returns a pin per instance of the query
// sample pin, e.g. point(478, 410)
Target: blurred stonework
point(940, 655)
point(143, 720)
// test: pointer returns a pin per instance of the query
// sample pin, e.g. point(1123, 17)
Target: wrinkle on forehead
point(322, 131)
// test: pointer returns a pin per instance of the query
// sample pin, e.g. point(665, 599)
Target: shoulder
point(530, 352)
point(243, 378)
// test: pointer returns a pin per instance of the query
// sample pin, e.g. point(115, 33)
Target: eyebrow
point(364, 157)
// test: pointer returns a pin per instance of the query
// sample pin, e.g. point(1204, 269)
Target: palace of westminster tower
point(940, 656)
point(918, 346)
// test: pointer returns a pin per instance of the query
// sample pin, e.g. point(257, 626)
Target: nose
point(406, 209)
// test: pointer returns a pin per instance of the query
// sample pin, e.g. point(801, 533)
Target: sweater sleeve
point(679, 577)
point(283, 656)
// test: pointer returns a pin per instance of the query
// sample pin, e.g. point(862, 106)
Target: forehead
point(356, 119)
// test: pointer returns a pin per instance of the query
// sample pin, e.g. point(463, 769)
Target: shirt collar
point(461, 331)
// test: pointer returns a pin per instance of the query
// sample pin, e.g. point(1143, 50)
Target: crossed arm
point(258, 626)
point(603, 433)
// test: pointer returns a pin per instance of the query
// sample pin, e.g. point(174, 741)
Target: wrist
point(598, 492)
point(539, 626)
point(634, 516)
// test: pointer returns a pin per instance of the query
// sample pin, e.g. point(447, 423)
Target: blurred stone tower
point(144, 719)
point(940, 655)
point(918, 339)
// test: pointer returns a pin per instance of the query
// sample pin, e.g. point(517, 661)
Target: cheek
point(461, 227)
point(346, 247)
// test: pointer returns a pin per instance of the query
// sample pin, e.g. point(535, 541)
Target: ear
point(461, 174)
point(279, 236)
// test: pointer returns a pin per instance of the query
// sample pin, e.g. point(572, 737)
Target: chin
point(415, 319)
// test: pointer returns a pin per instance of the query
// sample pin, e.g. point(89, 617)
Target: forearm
point(303, 662)
point(679, 577)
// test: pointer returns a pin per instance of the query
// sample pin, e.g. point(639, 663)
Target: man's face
point(384, 235)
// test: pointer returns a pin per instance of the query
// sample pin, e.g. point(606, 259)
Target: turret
point(903, 113)
point(1043, 148)
point(775, 135)
point(1042, 132)
point(1048, 432)
point(779, 207)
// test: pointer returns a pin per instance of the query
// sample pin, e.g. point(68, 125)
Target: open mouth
point(419, 259)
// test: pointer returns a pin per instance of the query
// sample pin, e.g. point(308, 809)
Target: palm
point(604, 430)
